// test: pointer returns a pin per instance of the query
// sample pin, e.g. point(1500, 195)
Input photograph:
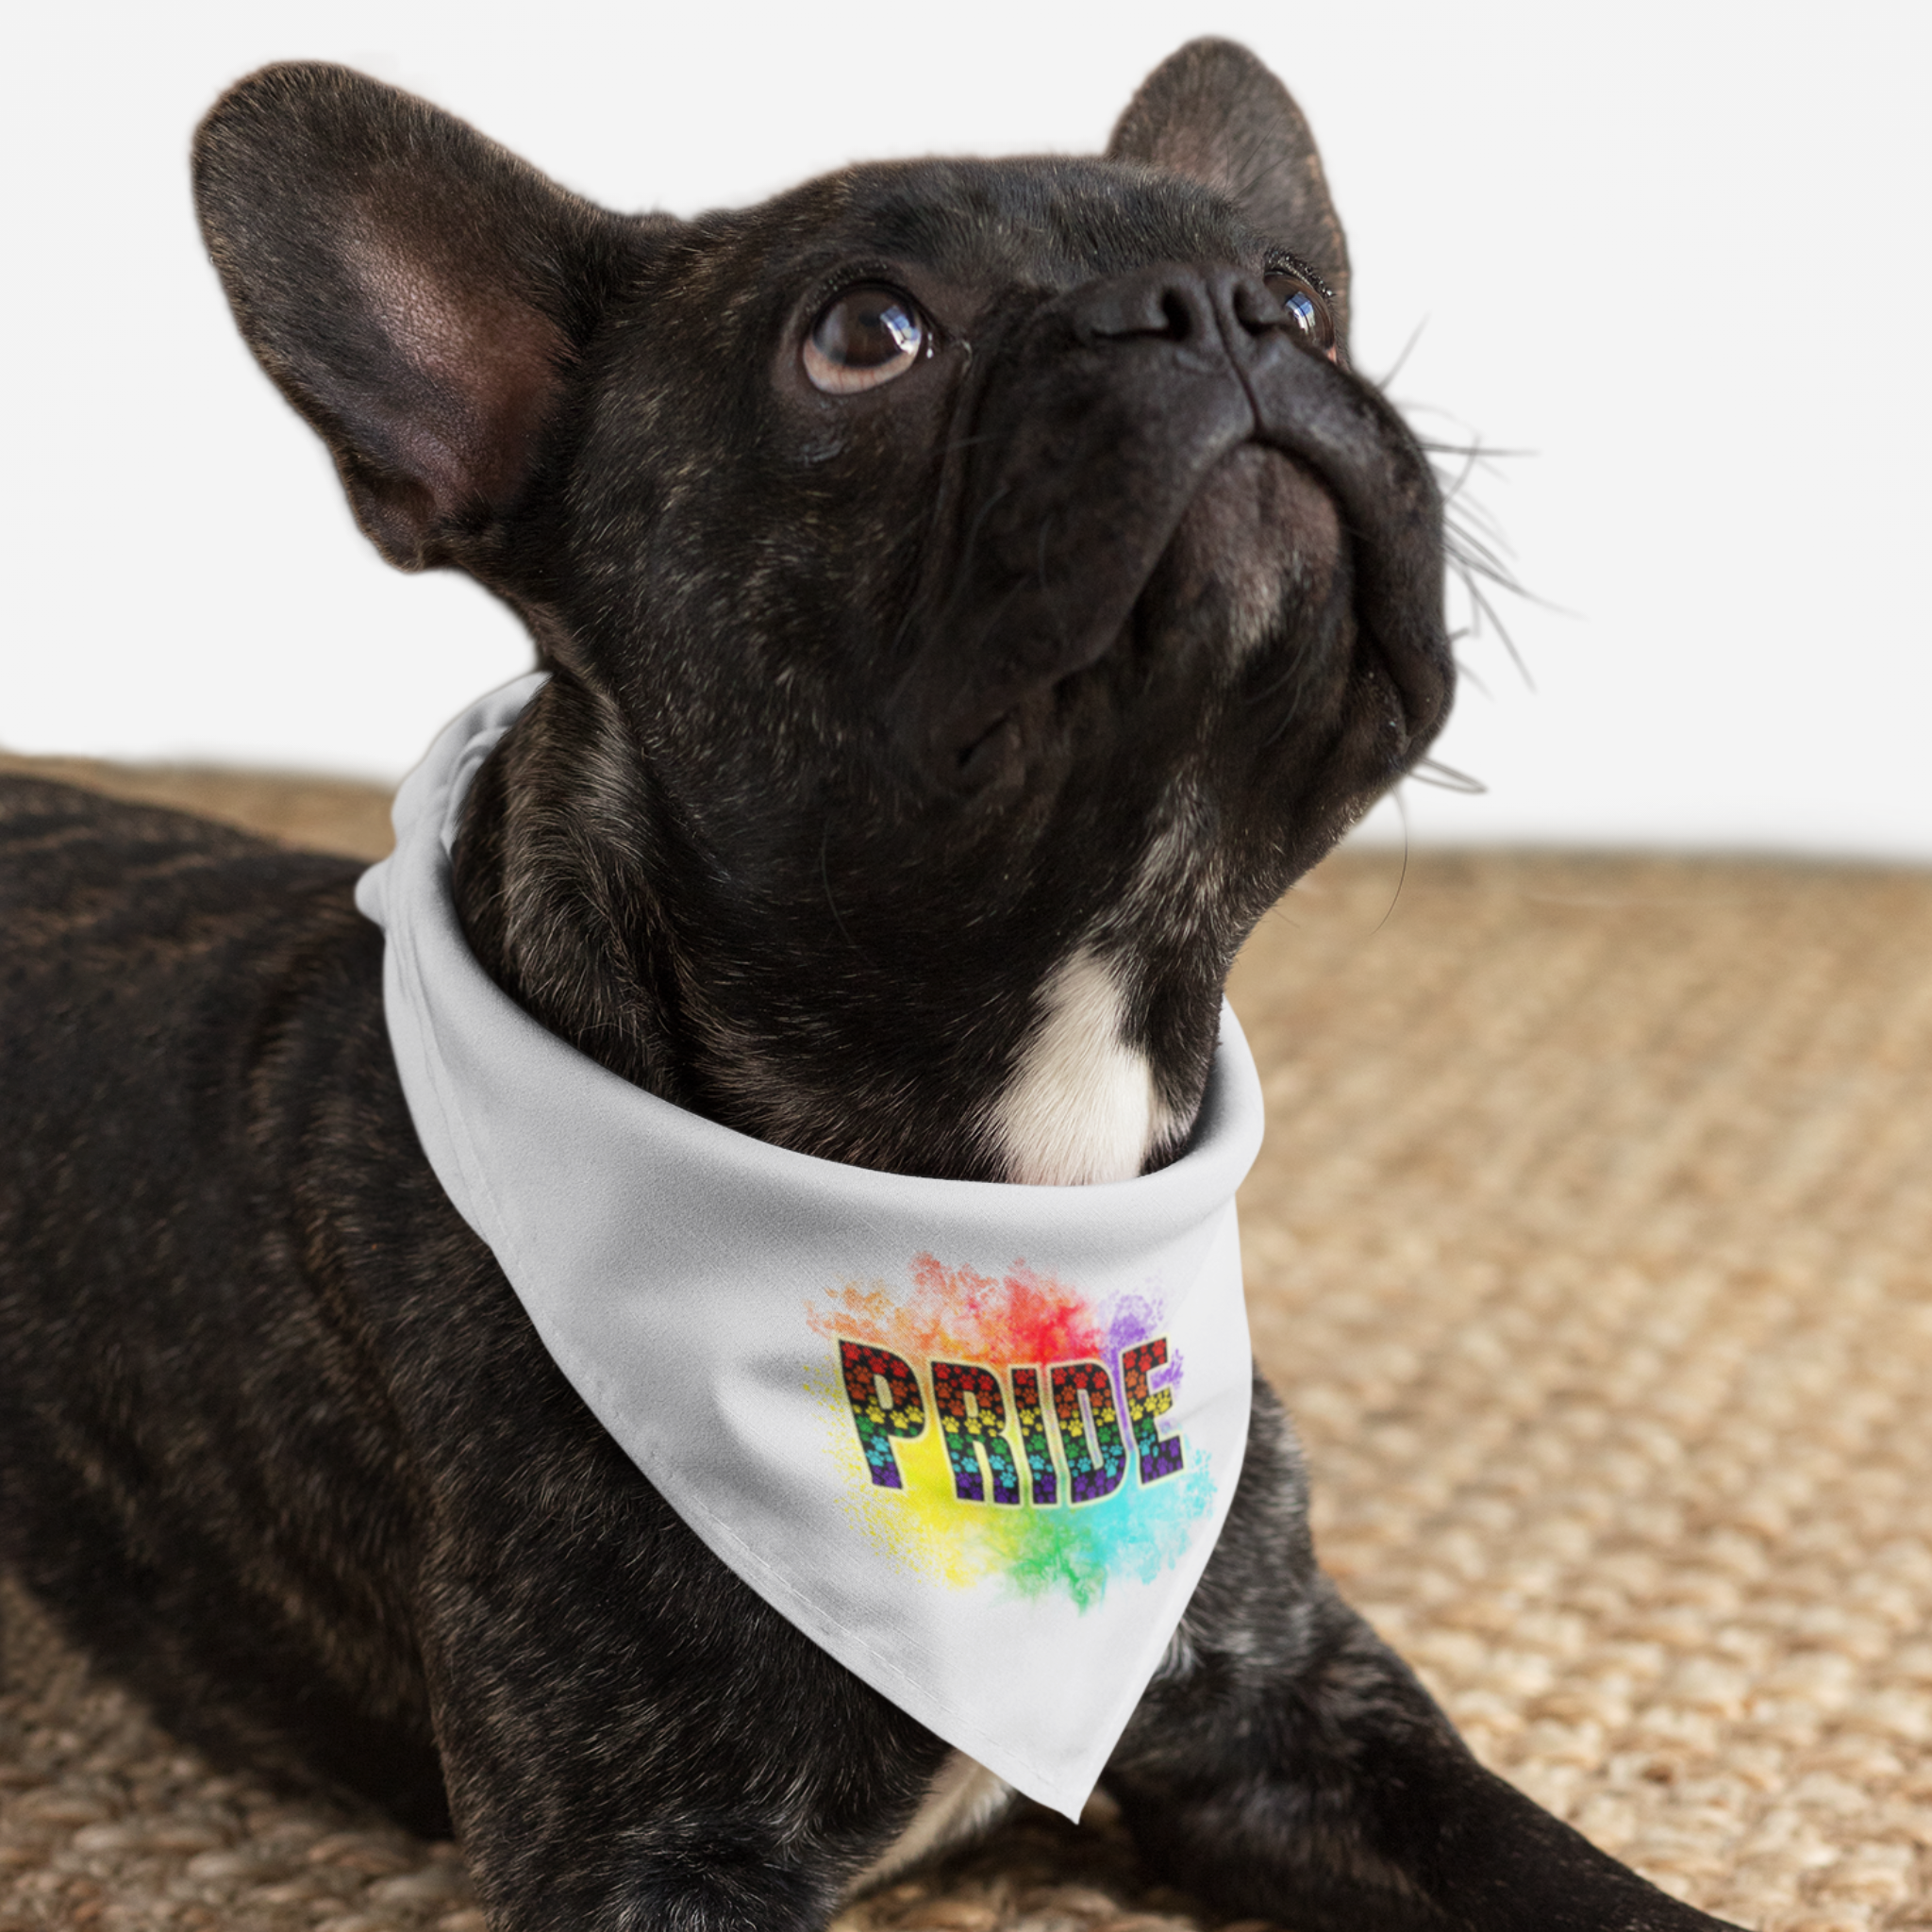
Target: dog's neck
point(569, 895)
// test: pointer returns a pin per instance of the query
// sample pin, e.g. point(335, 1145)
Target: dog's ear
point(1214, 113)
point(415, 291)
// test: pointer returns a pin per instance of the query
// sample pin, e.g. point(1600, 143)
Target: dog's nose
point(1185, 305)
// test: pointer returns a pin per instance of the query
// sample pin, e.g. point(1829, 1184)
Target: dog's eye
point(865, 337)
point(1307, 309)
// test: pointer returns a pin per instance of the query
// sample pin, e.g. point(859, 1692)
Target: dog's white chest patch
point(1081, 1106)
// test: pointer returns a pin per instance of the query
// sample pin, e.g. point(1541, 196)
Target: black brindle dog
point(974, 590)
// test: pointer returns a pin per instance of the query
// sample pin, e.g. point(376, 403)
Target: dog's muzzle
point(1087, 447)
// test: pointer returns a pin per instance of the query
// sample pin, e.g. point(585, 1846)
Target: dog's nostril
point(1161, 305)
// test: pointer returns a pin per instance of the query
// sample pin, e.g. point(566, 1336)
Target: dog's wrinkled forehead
point(977, 244)
point(975, 241)
point(1047, 225)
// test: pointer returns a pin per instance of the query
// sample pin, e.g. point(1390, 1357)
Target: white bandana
point(975, 1441)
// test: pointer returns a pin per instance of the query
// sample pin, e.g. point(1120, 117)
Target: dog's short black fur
point(950, 571)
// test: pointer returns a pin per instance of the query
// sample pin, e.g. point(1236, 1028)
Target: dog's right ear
point(414, 290)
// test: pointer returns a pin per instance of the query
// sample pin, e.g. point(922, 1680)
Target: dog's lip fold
point(1358, 447)
point(1336, 425)
point(1245, 380)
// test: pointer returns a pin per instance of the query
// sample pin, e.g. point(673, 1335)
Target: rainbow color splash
point(1009, 1428)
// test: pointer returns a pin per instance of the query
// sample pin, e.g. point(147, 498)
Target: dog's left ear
point(1214, 113)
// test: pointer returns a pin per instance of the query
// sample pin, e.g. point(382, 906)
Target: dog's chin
point(1258, 559)
point(1258, 565)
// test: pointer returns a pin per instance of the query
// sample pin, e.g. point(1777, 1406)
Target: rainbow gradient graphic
point(1011, 1428)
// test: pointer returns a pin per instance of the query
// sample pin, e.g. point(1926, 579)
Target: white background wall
point(1678, 251)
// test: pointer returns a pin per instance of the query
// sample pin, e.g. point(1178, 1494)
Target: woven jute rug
point(1592, 1247)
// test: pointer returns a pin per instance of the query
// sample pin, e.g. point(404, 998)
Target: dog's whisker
point(1415, 335)
point(825, 880)
point(1432, 772)
point(1402, 876)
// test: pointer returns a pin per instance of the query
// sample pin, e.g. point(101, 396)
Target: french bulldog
point(972, 591)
